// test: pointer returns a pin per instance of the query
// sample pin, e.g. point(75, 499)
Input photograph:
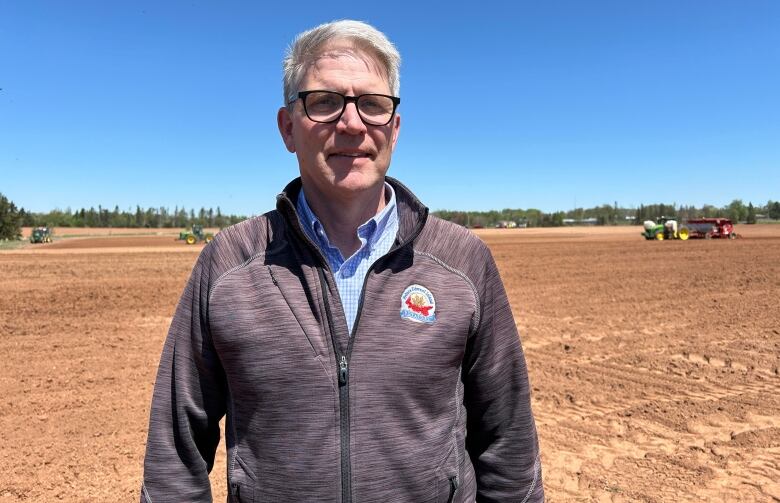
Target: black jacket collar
point(412, 214)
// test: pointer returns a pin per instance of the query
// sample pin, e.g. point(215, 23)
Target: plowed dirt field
point(655, 366)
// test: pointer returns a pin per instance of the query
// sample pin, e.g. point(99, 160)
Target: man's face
point(341, 159)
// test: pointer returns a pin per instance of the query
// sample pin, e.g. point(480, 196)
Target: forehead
point(340, 65)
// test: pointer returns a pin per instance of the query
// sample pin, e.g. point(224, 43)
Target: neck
point(342, 217)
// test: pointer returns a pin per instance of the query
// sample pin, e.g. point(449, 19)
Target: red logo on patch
point(423, 310)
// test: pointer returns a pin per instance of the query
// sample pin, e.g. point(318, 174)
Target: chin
point(357, 182)
point(359, 176)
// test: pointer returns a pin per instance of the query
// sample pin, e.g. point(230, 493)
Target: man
point(362, 350)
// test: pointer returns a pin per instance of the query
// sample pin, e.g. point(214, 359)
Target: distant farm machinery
point(41, 235)
point(711, 228)
point(666, 228)
point(695, 228)
point(195, 235)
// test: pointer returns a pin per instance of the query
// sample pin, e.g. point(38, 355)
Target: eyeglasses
point(328, 106)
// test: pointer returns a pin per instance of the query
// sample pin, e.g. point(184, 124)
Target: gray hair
point(304, 49)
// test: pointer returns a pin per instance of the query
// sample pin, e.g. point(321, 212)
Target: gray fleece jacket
point(427, 400)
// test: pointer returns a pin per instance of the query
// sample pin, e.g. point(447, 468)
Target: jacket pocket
point(447, 480)
point(241, 486)
point(453, 488)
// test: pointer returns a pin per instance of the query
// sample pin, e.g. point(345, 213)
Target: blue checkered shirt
point(376, 237)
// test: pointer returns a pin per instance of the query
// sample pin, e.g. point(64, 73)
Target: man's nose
point(350, 121)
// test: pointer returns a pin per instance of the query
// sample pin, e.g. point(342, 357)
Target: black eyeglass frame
point(347, 99)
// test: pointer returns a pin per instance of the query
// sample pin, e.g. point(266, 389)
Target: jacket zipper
point(343, 371)
point(343, 359)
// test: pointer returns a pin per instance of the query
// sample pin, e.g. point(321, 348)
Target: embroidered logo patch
point(418, 304)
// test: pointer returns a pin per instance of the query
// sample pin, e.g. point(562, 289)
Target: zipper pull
point(343, 371)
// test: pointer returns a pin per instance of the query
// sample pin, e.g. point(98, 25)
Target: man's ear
point(285, 123)
point(396, 130)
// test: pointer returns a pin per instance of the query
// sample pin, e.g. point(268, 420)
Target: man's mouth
point(354, 155)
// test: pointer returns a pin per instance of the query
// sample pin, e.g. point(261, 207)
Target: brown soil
point(655, 365)
point(81, 243)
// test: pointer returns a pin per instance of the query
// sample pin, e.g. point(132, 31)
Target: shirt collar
point(370, 232)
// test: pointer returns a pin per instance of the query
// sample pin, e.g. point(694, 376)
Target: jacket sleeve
point(188, 402)
point(501, 433)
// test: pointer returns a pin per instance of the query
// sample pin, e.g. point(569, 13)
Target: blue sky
point(547, 105)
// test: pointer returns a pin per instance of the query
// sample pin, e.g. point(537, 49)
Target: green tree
point(114, 219)
point(92, 219)
point(751, 214)
point(28, 219)
point(709, 211)
point(139, 217)
point(219, 220)
point(10, 219)
point(736, 211)
point(774, 210)
point(151, 218)
point(164, 219)
point(640, 215)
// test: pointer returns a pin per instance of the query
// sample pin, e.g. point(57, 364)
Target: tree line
point(607, 214)
point(140, 218)
point(13, 218)
point(736, 211)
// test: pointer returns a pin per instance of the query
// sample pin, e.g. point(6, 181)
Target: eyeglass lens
point(325, 106)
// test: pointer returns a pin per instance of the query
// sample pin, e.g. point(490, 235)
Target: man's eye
point(375, 105)
point(324, 102)
point(370, 105)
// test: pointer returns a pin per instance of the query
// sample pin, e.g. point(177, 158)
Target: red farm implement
point(711, 228)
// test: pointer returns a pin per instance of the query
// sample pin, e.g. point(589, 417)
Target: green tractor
point(195, 235)
point(41, 235)
point(666, 228)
